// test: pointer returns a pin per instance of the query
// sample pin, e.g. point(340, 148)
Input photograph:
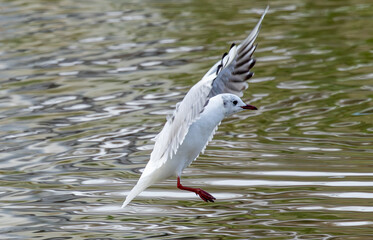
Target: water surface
point(86, 85)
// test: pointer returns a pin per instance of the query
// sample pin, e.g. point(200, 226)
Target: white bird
point(196, 118)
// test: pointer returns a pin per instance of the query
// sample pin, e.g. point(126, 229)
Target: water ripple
point(236, 182)
point(84, 88)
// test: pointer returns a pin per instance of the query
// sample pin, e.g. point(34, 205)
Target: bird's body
point(192, 146)
point(196, 118)
point(188, 151)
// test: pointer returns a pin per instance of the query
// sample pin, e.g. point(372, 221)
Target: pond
point(86, 85)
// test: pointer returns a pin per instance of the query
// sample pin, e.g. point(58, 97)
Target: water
point(85, 85)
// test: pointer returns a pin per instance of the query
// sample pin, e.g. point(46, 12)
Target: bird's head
point(233, 104)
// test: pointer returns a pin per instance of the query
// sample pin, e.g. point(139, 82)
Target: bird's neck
point(213, 114)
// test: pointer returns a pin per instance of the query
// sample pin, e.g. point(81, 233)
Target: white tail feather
point(141, 185)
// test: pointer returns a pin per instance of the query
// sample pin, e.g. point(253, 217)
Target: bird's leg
point(205, 196)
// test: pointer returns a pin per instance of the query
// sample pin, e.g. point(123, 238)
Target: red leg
point(205, 196)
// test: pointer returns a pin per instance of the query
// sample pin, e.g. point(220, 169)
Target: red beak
point(250, 107)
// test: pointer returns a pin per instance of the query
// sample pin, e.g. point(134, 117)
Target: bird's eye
point(235, 102)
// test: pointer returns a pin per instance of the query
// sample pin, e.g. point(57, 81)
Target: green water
point(85, 85)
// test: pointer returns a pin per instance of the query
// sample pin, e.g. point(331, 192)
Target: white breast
point(199, 134)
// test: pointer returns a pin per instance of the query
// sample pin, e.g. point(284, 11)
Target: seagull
point(196, 118)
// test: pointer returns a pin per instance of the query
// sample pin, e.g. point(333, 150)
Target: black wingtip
point(225, 54)
point(233, 44)
point(222, 58)
point(252, 63)
point(218, 69)
point(249, 75)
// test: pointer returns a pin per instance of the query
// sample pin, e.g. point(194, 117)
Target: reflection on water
point(86, 86)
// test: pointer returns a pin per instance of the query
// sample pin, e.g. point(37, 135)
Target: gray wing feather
point(236, 65)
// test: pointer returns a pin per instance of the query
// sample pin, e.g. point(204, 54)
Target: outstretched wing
point(229, 75)
point(234, 68)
